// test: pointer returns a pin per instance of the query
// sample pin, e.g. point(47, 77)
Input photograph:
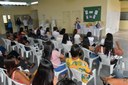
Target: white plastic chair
point(105, 60)
point(7, 43)
point(57, 73)
point(78, 76)
point(23, 50)
point(67, 49)
point(38, 56)
point(87, 55)
point(56, 44)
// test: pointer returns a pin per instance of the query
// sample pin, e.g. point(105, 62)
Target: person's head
point(75, 50)
point(66, 81)
point(9, 35)
point(108, 44)
point(62, 32)
point(10, 66)
point(47, 30)
point(21, 29)
point(109, 36)
point(45, 74)
point(65, 38)
point(14, 55)
point(75, 31)
point(55, 28)
point(89, 34)
point(40, 27)
point(48, 48)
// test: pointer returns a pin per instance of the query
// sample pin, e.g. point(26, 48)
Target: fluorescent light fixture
point(12, 3)
point(35, 2)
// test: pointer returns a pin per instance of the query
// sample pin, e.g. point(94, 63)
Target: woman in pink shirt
point(54, 56)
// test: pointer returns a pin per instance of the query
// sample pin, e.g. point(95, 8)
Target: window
point(6, 18)
point(124, 16)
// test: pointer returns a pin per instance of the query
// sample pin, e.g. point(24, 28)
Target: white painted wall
point(113, 16)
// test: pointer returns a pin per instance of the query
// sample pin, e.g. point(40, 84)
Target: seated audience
point(76, 63)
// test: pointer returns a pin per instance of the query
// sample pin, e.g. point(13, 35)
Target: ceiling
point(28, 1)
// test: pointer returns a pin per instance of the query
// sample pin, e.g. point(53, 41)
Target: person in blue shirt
point(9, 26)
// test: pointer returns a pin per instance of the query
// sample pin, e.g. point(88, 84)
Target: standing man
point(25, 23)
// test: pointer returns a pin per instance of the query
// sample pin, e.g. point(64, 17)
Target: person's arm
point(118, 50)
point(62, 58)
point(20, 76)
point(88, 70)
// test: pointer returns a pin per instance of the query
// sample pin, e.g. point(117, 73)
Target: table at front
point(95, 31)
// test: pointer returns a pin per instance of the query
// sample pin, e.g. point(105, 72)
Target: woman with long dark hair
point(44, 74)
point(109, 49)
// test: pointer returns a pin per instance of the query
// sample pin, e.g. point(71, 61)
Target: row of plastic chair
point(34, 51)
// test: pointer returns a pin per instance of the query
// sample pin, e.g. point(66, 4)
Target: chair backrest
point(86, 53)
point(66, 47)
point(105, 59)
point(21, 46)
point(59, 71)
point(59, 39)
point(56, 44)
point(78, 75)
